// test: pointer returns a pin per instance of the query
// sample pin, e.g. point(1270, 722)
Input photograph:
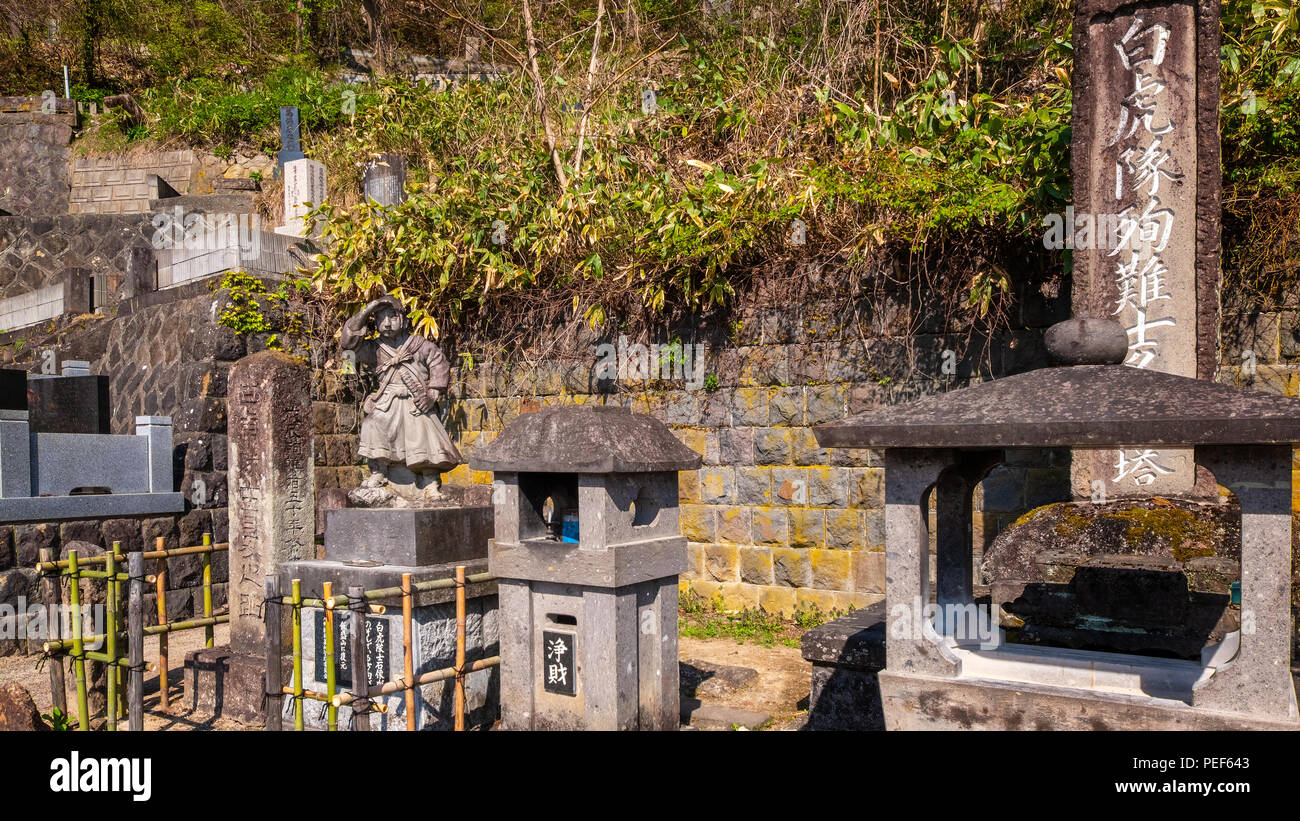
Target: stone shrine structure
point(956, 669)
point(588, 553)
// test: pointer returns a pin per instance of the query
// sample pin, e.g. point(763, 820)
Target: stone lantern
point(934, 677)
point(587, 551)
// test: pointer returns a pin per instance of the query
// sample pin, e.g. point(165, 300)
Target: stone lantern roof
point(1088, 404)
point(585, 439)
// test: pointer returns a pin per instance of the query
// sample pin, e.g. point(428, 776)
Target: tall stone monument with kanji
point(1147, 175)
point(272, 521)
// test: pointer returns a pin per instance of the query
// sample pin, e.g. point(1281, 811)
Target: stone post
point(1147, 205)
point(158, 432)
point(304, 182)
point(271, 480)
point(384, 180)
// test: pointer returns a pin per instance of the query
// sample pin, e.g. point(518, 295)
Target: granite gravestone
point(384, 179)
point(1147, 179)
point(372, 549)
point(290, 138)
point(272, 485)
point(304, 189)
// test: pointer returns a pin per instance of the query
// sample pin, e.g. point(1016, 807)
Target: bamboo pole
point(331, 675)
point(135, 643)
point(164, 694)
point(296, 634)
point(53, 595)
point(78, 657)
point(148, 554)
point(361, 702)
point(178, 626)
point(119, 604)
point(395, 593)
point(273, 702)
point(110, 649)
point(408, 653)
point(460, 648)
point(206, 557)
point(390, 687)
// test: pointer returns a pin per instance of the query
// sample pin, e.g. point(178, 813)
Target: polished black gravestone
point(57, 404)
point(68, 404)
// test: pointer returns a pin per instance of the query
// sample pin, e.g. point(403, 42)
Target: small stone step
point(704, 678)
point(702, 716)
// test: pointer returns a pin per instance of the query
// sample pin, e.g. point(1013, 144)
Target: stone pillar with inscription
point(272, 521)
point(304, 189)
point(1147, 184)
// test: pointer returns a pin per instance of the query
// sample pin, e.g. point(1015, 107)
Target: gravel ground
point(781, 689)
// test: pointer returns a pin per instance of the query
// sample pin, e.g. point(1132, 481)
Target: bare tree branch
point(540, 90)
point(586, 92)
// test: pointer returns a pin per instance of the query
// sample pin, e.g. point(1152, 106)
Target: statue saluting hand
point(404, 443)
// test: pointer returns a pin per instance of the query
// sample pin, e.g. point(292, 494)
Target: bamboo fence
point(125, 669)
point(360, 698)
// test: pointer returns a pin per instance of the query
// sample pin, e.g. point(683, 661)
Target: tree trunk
point(377, 28)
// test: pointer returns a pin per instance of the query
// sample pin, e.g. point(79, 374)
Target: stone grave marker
point(384, 179)
point(272, 485)
point(1147, 178)
point(304, 182)
point(290, 138)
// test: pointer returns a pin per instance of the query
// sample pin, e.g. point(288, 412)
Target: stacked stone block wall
point(120, 185)
point(34, 174)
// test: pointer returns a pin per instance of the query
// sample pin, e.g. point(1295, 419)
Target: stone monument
point(402, 439)
point(957, 670)
point(272, 521)
point(290, 138)
point(372, 549)
point(384, 180)
point(304, 189)
point(1146, 173)
point(587, 554)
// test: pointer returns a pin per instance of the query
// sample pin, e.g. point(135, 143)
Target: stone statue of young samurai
point(402, 440)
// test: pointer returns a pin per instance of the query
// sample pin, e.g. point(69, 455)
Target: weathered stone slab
point(413, 536)
point(716, 717)
point(1146, 170)
point(271, 482)
point(914, 702)
point(384, 179)
point(706, 679)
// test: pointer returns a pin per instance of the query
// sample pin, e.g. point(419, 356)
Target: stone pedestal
point(221, 682)
point(371, 549)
